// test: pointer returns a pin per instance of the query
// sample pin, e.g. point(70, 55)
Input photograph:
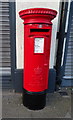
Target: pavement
point(58, 105)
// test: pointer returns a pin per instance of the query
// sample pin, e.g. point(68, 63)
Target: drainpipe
point(60, 37)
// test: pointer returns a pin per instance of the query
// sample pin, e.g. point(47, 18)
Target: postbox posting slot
point(39, 30)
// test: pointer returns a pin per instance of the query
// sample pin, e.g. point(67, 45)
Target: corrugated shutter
point(68, 72)
point(5, 53)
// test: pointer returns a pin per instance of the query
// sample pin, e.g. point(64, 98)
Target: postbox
point(37, 40)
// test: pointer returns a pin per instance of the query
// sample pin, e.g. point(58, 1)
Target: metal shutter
point(5, 53)
point(68, 71)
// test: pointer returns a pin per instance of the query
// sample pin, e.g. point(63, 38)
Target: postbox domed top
point(38, 11)
point(42, 12)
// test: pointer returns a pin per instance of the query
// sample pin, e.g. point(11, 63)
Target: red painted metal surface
point(37, 40)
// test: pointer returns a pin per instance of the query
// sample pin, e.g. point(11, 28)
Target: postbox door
point(36, 63)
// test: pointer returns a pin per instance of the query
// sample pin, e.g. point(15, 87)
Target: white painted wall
point(25, 4)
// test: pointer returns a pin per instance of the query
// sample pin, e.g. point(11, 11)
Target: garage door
point(68, 57)
point(5, 52)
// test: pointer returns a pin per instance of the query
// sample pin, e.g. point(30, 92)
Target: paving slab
point(57, 106)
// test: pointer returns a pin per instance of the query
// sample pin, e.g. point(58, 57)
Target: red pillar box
point(37, 40)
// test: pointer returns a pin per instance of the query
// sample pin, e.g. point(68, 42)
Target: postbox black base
point(34, 100)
